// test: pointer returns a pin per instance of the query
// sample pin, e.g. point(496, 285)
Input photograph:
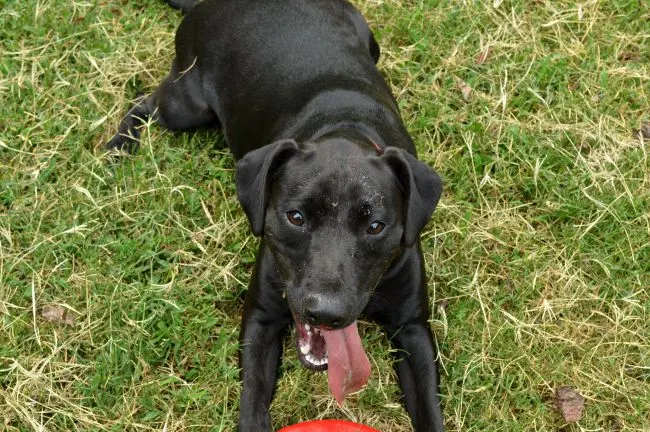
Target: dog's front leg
point(260, 357)
point(418, 374)
point(400, 305)
point(266, 317)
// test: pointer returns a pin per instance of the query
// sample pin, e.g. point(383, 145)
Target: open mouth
point(339, 351)
point(312, 348)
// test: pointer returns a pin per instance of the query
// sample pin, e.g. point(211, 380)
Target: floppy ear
point(421, 186)
point(253, 175)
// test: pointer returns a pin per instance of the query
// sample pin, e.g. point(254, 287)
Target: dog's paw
point(121, 143)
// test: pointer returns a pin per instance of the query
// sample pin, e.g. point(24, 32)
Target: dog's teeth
point(304, 349)
point(313, 360)
point(307, 327)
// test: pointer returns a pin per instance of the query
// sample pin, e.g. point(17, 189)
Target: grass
point(538, 256)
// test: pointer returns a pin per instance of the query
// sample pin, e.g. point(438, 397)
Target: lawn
point(121, 284)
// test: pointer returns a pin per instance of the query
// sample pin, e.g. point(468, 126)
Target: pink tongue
point(348, 368)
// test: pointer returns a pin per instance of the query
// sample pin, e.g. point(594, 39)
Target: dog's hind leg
point(177, 104)
point(365, 34)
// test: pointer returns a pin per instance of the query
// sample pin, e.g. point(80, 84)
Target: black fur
point(315, 129)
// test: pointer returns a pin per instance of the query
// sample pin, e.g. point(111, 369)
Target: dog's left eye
point(295, 217)
point(375, 228)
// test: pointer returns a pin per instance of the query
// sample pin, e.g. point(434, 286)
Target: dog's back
point(291, 57)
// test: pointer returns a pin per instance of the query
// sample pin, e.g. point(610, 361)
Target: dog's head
point(335, 215)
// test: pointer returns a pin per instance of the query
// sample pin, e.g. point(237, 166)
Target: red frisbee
point(328, 426)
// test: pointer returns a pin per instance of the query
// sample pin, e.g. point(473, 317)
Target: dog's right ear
point(253, 175)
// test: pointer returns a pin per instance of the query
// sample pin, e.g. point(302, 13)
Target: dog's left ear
point(421, 186)
point(253, 175)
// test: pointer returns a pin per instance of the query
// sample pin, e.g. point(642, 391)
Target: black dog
point(326, 174)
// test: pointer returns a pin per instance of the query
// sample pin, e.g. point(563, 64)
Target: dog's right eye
point(295, 217)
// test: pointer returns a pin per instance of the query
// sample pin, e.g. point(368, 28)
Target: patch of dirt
point(57, 314)
point(570, 403)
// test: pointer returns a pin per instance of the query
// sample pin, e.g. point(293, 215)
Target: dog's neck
point(355, 132)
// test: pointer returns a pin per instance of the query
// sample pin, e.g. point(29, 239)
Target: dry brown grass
point(538, 254)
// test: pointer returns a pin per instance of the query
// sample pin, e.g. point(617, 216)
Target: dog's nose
point(323, 311)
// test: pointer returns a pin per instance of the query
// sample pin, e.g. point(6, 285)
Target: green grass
point(538, 256)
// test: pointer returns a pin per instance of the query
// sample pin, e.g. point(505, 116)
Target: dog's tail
point(183, 5)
